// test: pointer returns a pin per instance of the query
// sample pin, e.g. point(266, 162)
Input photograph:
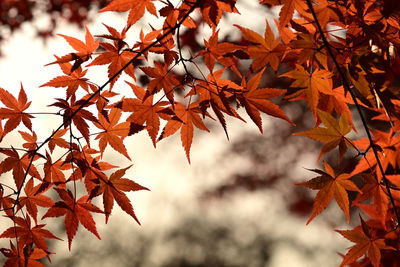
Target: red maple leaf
point(75, 211)
point(113, 133)
point(79, 119)
point(136, 7)
point(27, 234)
point(71, 80)
point(144, 111)
point(366, 244)
point(255, 100)
point(185, 119)
point(15, 110)
point(18, 165)
point(83, 51)
point(113, 189)
point(33, 199)
point(117, 55)
point(23, 256)
point(163, 79)
point(330, 186)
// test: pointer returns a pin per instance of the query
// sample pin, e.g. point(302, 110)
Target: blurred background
point(235, 205)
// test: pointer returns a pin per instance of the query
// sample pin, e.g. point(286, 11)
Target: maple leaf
point(113, 133)
point(307, 48)
point(34, 199)
point(333, 135)
point(147, 40)
point(136, 7)
point(378, 208)
point(366, 244)
point(163, 79)
point(216, 92)
point(313, 83)
point(75, 211)
point(27, 234)
point(15, 110)
point(330, 186)
point(72, 80)
point(57, 140)
point(18, 165)
point(173, 15)
point(79, 118)
point(261, 49)
point(287, 10)
point(255, 100)
point(212, 10)
point(115, 55)
point(144, 111)
point(114, 188)
point(388, 147)
point(222, 52)
point(31, 140)
point(83, 51)
point(184, 120)
point(53, 171)
point(18, 256)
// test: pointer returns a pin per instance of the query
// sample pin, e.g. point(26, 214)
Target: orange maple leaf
point(113, 189)
point(83, 50)
point(30, 140)
point(255, 100)
point(261, 49)
point(113, 133)
point(212, 10)
point(75, 211)
point(333, 135)
point(366, 244)
point(72, 80)
point(116, 55)
point(57, 140)
point(185, 119)
point(136, 7)
point(216, 92)
point(378, 208)
point(215, 50)
point(27, 234)
point(388, 146)
point(163, 79)
point(311, 84)
point(14, 113)
point(33, 199)
point(144, 111)
point(287, 10)
point(330, 186)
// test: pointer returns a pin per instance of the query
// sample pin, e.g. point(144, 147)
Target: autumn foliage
point(339, 57)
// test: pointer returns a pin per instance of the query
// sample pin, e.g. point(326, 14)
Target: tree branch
point(346, 85)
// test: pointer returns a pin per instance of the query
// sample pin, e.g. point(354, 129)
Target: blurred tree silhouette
point(15, 13)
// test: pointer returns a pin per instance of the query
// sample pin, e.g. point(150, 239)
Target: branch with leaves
point(332, 71)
